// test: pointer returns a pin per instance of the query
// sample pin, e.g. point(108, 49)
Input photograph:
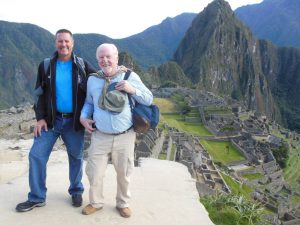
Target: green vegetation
point(217, 110)
point(239, 208)
point(222, 151)
point(177, 103)
point(173, 151)
point(236, 187)
point(294, 200)
point(233, 209)
point(165, 105)
point(169, 84)
point(292, 164)
point(169, 110)
point(291, 171)
point(244, 117)
point(171, 75)
point(181, 104)
point(281, 154)
point(178, 121)
point(162, 156)
point(253, 176)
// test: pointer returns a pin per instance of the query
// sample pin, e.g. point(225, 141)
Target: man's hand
point(122, 68)
point(39, 126)
point(124, 85)
point(88, 124)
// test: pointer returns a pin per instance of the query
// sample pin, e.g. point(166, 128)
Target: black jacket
point(45, 90)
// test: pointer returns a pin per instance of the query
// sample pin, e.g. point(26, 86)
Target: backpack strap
point(127, 74)
point(39, 90)
point(80, 64)
point(46, 64)
point(46, 68)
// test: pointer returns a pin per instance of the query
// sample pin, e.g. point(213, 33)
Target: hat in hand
point(114, 100)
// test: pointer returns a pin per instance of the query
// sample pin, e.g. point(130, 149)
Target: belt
point(115, 134)
point(64, 115)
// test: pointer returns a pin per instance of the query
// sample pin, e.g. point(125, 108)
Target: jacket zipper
point(51, 102)
point(76, 95)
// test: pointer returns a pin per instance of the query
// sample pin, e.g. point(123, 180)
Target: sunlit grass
point(291, 172)
point(253, 176)
point(165, 105)
point(178, 121)
point(162, 156)
point(236, 187)
point(222, 151)
point(173, 151)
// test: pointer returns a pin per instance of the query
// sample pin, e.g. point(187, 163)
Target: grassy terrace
point(253, 176)
point(291, 172)
point(236, 187)
point(178, 121)
point(170, 114)
point(217, 110)
point(166, 105)
point(222, 151)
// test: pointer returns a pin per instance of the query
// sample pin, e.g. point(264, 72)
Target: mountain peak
point(215, 27)
point(221, 55)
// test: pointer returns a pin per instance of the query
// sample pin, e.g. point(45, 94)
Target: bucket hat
point(114, 100)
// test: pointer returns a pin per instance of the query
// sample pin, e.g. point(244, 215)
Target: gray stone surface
point(163, 193)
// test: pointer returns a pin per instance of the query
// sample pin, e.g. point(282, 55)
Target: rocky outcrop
point(17, 122)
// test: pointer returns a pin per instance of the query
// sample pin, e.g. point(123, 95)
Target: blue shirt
point(63, 81)
point(106, 121)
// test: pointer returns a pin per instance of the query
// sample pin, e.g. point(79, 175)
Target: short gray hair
point(107, 45)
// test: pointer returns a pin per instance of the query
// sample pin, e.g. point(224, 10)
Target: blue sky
point(113, 18)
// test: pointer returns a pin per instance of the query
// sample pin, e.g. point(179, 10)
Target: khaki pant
point(121, 148)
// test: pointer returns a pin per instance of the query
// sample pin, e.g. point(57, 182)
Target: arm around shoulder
point(89, 68)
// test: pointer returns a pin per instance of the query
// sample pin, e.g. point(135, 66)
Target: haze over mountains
point(275, 20)
point(213, 50)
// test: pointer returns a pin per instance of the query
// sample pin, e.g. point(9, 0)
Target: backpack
point(81, 66)
point(39, 90)
point(79, 62)
point(144, 117)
